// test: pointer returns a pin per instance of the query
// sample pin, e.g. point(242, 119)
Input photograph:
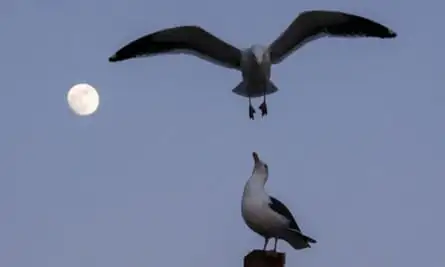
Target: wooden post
point(260, 258)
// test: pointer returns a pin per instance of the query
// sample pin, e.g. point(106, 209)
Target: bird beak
point(255, 157)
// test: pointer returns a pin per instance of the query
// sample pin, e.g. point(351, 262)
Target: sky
point(354, 138)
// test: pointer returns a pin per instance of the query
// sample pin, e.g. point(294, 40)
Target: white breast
point(257, 214)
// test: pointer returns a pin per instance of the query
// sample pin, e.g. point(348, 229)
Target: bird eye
point(265, 166)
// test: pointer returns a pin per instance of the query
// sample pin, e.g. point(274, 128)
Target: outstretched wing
point(311, 25)
point(186, 39)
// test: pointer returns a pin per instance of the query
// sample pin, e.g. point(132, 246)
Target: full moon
point(83, 99)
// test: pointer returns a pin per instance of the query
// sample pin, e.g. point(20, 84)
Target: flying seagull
point(266, 215)
point(255, 62)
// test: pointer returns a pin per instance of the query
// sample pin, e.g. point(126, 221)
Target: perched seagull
point(266, 215)
point(255, 62)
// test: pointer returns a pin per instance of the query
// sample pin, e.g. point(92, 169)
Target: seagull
point(255, 62)
point(266, 215)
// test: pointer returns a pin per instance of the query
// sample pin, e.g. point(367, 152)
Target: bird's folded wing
point(308, 238)
point(185, 39)
point(311, 25)
point(281, 209)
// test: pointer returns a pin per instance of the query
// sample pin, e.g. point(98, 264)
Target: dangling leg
point(266, 240)
point(263, 106)
point(275, 247)
point(251, 109)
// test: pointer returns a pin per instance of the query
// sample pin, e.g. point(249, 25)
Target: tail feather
point(241, 89)
point(298, 240)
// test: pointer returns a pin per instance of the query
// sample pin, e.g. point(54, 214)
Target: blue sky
point(354, 139)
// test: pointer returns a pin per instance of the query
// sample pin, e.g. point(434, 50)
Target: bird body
point(255, 67)
point(256, 212)
point(266, 215)
point(254, 63)
point(256, 72)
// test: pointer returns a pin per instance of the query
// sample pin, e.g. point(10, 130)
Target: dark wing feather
point(281, 209)
point(311, 25)
point(187, 39)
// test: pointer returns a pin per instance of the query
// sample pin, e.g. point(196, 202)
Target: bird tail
point(298, 240)
point(241, 90)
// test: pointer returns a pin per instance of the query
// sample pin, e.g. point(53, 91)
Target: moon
point(83, 99)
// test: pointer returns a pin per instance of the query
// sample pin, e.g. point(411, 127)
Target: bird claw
point(251, 112)
point(263, 108)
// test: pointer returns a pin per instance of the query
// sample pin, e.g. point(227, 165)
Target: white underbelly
point(262, 220)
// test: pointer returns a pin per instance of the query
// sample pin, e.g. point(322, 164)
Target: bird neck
point(255, 184)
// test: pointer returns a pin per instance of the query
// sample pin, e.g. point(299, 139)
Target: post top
point(260, 258)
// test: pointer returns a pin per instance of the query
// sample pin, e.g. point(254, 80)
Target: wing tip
point(113, 58)
point(390, 34)
point(311, 240)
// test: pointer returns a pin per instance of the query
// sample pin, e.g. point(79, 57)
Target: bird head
point(260, 53)
point(260, 167)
